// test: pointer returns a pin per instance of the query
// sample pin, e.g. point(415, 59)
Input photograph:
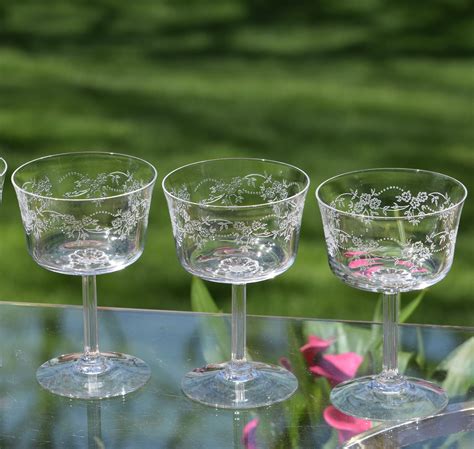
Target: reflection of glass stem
point(94, 426)
point(238, 427)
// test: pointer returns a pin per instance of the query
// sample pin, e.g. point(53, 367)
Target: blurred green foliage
point(327, 86)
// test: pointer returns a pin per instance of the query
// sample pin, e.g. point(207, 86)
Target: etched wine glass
point(3, 171)
point(86, 214)
point(237, 221)
point(390, 231)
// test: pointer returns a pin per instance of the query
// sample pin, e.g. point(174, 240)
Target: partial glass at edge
point(237, 221)
point(86, 214)
point(390, 231)
point(3, 171)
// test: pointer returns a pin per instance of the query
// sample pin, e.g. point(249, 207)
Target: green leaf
point(348, 338)
point(201, 299)
point(353, 338)
point(420, 356)
point(406, 312)
point(297, 360)
point(305, 381)
point(332, 442)
point(459, 365)
point(403, 360)
point(214, 339)
point(326, 330)
point(377, 318)
point(294, 414)
point(213, 331)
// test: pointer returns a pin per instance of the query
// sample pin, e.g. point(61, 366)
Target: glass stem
point(239, 296)
point(390, 335)
point(91, 335)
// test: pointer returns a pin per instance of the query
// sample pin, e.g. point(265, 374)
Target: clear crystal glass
point(237, 221)
point(390, 231)
point(3, 171)
point(86, 214)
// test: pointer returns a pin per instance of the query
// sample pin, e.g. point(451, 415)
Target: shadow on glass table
point(160, 416)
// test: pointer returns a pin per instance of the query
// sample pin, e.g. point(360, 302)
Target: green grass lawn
point(330, 90)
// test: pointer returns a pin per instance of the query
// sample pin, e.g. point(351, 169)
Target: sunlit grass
point(175, 83)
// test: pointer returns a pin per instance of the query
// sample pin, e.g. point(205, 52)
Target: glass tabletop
point(172, 343)
point(451, 428)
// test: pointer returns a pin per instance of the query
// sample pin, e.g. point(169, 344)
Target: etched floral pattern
point(102, 185)
point(233, 192)
point(404, 247)
point(87, 258)
point(41, 212)
point(205, 228)
point(413, 206)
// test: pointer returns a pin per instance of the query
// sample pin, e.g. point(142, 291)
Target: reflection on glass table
point(159, 416)
point(451, 428)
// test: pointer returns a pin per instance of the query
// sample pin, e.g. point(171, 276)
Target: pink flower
point(354, 253)
point(357, 263)
point(411, 265)
point(371, 270)
point(314, 346)
point(337, 368)
point(405, 263)
point(367, 273)
point(249, 434)
point(346, 426)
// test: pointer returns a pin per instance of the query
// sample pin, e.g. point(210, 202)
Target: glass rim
point(5, 166)
point(83, 153)
point(216, 206)
point(378, 217)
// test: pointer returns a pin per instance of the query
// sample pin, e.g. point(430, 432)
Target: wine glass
point(237, 221)
point(86, 214)
point(390, 231)
point(3, 170)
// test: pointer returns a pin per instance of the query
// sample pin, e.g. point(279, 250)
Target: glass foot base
point(253, 385)
point(407, 399)
point(117, 375)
